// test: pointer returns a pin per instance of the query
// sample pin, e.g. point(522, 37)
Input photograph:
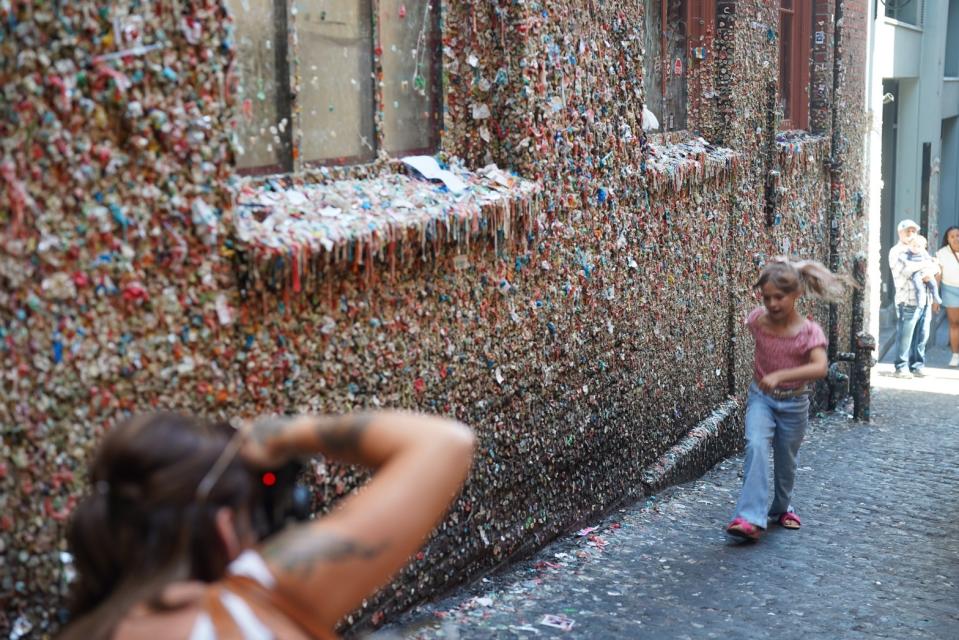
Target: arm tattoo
point(302, 552)
point(343, 436)
point(267, 428)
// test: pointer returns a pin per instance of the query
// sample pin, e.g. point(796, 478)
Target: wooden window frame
point(800, 52)
point(701, 18)
point(283, 100)
point(286, 100)
point(892, 12)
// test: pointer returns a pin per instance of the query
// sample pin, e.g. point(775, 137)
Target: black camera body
point(280, 498)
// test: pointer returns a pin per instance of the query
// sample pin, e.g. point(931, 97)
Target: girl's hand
point(770, 381)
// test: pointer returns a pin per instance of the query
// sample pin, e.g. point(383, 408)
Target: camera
point(280, 499)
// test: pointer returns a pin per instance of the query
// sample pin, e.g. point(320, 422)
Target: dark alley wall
point(582, 330)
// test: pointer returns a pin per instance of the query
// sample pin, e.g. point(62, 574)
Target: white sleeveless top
point(950, 266)
point(249, 564)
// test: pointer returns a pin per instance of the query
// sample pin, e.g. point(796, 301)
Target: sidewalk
point(877, 557)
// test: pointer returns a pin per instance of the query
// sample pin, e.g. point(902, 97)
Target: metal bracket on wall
point(774, 196)
point(773, 190)
point(860, 359)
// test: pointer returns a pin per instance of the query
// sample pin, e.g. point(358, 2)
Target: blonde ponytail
point(810, 276)
point(821, 282)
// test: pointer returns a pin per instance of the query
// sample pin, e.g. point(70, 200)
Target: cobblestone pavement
point(877, 557)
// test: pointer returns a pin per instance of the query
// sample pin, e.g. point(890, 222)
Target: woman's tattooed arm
point(300, 553)
point(342, 435)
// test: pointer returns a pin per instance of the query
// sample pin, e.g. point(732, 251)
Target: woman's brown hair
point(142, 526)
point(807, 276)
point(945, 235)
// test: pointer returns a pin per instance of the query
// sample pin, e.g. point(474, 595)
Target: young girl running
point(790, 352)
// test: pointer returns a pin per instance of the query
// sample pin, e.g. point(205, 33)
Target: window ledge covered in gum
point(674, 163)
point(801, 148)
point(382, 218)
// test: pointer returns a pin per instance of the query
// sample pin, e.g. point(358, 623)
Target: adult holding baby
point(913, 318)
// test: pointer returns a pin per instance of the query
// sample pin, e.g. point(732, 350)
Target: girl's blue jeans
point(778, 425)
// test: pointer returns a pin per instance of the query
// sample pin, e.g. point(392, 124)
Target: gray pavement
point(937, 348)
point(877, 557)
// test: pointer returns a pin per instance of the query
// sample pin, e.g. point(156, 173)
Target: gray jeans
point(778, 425)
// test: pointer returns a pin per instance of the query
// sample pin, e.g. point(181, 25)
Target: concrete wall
point(952, 40)
point(909, 149)
point(916, 56)
point(582, 349)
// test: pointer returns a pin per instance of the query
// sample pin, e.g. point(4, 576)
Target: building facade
point(915, 96)
point(204, 207)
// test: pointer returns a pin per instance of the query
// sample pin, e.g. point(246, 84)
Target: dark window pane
point(670, 108)
point(786, 54)
point(410, 49)
point(257, 128)
point(335, 53)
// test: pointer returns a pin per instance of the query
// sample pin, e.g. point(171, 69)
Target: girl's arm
point(333, 563)
point(817, 368)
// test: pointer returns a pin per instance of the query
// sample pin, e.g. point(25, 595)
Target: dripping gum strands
point(367, 223)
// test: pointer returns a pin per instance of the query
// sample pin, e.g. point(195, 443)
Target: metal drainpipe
point(835, 188)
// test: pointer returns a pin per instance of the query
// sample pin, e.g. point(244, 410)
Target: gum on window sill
point(800, 148)
point(291, 226)
point(675, 161)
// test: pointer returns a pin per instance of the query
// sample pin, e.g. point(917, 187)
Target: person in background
point(948, 257)
point(912, 327)
point(924, 280)
point(164, 545)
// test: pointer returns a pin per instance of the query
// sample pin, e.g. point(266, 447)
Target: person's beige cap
point(907, 224)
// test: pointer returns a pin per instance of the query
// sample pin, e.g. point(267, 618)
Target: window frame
point(896, 15)
point(700, 17)
point(701, 26)
point(435, 42)
point(800, 52)
point(283, 101)
point(288, 107)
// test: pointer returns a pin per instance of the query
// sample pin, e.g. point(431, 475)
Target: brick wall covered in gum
point(579, 353)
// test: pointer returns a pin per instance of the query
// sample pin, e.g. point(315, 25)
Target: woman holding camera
point(165, 545)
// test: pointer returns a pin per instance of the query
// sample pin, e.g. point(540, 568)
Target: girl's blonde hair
point(806, 276)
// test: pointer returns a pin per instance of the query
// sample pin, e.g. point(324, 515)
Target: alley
point(877, 556)
point(539, 220)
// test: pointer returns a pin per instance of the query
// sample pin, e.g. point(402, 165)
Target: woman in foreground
point(165, 546)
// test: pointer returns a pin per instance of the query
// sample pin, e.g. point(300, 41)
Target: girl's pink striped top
point(774, 353)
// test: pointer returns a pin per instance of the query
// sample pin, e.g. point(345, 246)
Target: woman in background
point(948, 277)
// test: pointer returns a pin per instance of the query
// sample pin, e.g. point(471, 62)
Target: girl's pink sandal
point(789, 520)
point(740, 528)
